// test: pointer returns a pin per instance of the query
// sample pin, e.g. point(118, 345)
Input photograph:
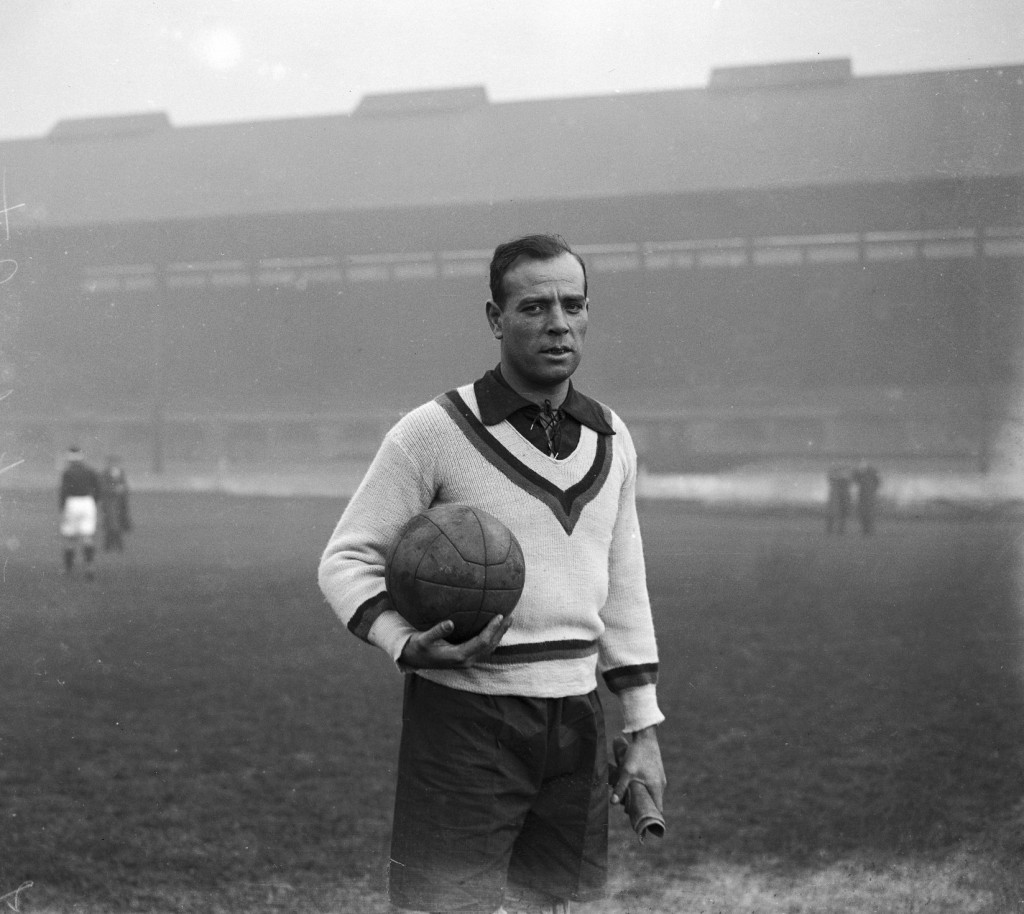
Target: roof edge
point(780, 75)
point(427, 101)
point(72, 130)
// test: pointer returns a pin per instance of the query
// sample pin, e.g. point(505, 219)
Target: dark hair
point(533, 247)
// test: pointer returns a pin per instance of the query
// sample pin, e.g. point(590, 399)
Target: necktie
point(550, 420)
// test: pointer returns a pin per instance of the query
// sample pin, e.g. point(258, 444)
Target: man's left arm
point(628, 649)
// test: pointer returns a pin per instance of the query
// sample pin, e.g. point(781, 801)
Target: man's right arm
point(351, 572)
point(396, 487)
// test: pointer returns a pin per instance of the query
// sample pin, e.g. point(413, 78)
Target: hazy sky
point(207, 61)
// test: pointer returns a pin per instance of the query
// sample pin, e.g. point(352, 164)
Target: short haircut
point(532, 247)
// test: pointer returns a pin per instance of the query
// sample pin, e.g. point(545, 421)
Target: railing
point(665, 439)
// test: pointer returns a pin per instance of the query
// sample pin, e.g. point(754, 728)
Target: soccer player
point(502, 798)
point(79, 490)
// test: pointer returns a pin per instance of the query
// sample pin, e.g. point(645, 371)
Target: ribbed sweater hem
point(639, 706)
point(551, 679)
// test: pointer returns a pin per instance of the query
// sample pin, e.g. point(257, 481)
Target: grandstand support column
point(159, 380)
point(984, 371)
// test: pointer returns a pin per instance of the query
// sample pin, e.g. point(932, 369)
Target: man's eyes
point(573, 307)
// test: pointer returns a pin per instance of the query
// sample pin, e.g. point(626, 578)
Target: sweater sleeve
point(628, 651)
point(351, 575)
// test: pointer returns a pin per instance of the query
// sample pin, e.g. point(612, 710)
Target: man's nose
point(558, 321)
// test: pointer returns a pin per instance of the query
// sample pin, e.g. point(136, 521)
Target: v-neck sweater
point(584, 607)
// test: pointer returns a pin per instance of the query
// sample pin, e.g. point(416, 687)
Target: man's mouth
point(558, 350)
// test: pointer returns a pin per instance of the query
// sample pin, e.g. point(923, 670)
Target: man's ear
point(494, 318)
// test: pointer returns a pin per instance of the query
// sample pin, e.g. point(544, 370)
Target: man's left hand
point(642, 763)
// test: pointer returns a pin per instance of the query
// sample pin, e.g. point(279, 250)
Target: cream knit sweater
point(584, 605)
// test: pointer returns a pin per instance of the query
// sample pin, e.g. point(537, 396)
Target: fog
point(804, 250)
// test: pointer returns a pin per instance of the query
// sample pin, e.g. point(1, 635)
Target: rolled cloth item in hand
point(644, 815)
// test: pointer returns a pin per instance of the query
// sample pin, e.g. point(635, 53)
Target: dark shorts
point(495, 790)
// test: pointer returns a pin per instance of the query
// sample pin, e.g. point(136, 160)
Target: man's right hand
point(430, 650)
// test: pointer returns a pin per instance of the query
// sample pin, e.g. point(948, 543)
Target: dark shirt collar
point(497, 401)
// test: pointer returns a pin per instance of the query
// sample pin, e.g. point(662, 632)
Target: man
point(502, 778)
point(115, 517)
point(838, 507)
point(79, 490)
point(868, 481)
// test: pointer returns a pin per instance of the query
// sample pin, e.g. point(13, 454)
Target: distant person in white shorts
point(79, 491)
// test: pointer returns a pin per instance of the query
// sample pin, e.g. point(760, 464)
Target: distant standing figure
point(868, 481)
point(838, 507)
point(115, 518)
point(79, 492)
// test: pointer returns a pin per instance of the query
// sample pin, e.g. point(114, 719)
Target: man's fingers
point(439, 632)
point(621, 786)
point(480, 646)
point(423, 648)
point(494, 629)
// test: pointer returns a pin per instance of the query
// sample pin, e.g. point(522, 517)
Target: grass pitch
point(194, 731)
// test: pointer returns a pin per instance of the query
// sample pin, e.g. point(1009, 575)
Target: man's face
point(543, 323)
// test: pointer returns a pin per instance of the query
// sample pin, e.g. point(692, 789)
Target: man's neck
point(556, 394)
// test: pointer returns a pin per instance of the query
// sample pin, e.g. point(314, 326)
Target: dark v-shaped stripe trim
point(566, 505)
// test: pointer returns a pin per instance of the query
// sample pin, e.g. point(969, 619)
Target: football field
point(194, 731)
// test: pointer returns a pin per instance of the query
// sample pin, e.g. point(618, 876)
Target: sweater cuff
point(640, 708)
point(390, 632)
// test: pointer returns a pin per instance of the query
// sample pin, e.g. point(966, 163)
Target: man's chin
point(559, 375)
point(545, 376)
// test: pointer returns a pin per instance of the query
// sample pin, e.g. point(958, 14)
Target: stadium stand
point(794, 262)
